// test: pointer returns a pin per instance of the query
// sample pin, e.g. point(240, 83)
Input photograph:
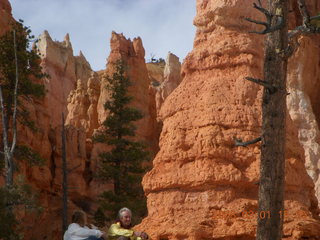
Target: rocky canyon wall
point(79, 92)
point(199, 175)
point(74, 89)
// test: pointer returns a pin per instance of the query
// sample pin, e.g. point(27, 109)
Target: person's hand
point(137, 234)
point(144, 236)
point(104, 235)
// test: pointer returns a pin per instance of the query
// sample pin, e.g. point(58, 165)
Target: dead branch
point(304, 12)
point(268, 24)
point(305, 29)
point(271, 88)
point(238, 142)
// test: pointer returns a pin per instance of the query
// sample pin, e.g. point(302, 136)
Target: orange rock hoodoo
point(198, 172)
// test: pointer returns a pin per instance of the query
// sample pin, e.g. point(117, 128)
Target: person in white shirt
point(78, 230)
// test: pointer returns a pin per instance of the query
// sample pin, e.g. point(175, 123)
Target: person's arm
point(78, 231)
point(115, 230)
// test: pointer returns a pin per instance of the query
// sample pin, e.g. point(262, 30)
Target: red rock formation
point(171, 79)
point(198, 174)
point(132, 53)
point(74, 89)
point(82, 105)
point(64, 70)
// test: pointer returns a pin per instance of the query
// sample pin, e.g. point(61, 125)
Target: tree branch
point(238, 142)
point(268, 24)
point(306, 28)
point(272, 89)
point(304, 12)
point(15, 96)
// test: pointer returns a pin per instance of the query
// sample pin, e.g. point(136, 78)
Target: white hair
point(122, 210)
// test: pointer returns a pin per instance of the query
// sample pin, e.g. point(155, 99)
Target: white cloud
point(163, 25)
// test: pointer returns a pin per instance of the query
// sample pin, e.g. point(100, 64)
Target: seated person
point(121, 230)
point(78, 230)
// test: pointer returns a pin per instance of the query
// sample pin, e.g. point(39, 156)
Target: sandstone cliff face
point(82, 104)
point(198, 173)
point(65, 71)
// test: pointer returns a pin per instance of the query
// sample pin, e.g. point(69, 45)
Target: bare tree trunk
point(7, 149)
point(64, 180)
point(271, 190)
point(8, 159)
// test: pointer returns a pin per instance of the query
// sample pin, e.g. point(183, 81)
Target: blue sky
point(163, 25)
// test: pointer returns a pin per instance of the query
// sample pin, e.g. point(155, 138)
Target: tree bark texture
point(272, 174)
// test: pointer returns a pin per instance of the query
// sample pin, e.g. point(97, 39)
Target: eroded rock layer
point(201, 185)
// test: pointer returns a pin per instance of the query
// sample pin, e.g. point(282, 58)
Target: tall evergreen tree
point(20, 75)
point(123, 163)
point(19, 72)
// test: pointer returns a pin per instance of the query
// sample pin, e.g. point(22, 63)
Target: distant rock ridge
point(64, 69)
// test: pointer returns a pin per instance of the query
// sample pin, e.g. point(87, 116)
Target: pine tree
point(123, 163)
point(20, 74)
